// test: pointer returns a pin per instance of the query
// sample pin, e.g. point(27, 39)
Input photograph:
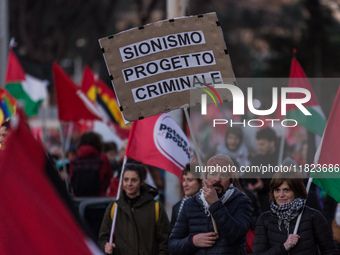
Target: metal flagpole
point(118, 196)
point(63, 155)
point(297, 224)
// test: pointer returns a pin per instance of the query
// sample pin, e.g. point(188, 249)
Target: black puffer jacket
point(314, 232)
point(232, 220)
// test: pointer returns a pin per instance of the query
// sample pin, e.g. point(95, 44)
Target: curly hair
point(138, 168)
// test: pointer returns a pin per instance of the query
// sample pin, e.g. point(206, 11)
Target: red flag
point(73, 105)
point(159, 141)
point(35, 219)
point(15, 73)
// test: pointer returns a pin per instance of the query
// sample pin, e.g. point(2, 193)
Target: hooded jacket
point(136, 230)
point(232, 219)
point(105, 172)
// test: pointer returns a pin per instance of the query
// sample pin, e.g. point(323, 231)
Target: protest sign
point(155, 68)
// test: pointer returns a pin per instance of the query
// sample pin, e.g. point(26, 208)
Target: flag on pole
point(97, 91)
point(35, 218)
point(328, 155)
point(24, 87)
point(73, 104)
point(158, 141)
point(316, 122)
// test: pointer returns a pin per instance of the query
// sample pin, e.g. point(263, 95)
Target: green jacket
point(136, 230)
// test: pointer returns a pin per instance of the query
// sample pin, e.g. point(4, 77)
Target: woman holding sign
point(142, 226)
point(274, 229)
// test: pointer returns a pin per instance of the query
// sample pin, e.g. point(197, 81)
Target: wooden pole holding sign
point(198, 158)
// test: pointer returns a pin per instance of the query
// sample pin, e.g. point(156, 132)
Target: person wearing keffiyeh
point(194, 232)
point(274, 229)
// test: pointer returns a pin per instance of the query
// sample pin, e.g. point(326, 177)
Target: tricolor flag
point(314, 123)
point(8, 105)
point(24, 87)
point(97, 91)
point(35, 218)
point(73, 104)
point(158, 141)
point(327, 156)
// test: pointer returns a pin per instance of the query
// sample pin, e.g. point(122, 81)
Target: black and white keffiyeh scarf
point(287, 212)
point(227, 194)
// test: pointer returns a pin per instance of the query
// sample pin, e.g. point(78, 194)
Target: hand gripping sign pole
point(198, 156)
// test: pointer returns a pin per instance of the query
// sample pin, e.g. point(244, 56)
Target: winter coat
point(136, 230)
point(314, 233)
point(174, 215)
point(105, 172)
point(232, 220)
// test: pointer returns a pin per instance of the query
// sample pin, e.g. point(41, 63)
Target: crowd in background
point(108, 159)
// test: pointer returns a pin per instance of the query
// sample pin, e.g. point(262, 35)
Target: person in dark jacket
point(191, 186)
point(142, 225)
point(274, 233)
point(89, 157)
point(194, 231)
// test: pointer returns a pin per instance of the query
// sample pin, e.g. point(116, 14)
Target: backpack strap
point(156, 210)
point(113, 210)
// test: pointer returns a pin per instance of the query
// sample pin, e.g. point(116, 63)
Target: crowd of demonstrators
point(191, 186)
point(275, 229)
point(229, 214)
point(142, 225)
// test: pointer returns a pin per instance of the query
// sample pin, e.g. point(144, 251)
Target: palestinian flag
point(314, 123)
point(30, 90)
point(98, 92)
point(327, 173)
point(35, 216)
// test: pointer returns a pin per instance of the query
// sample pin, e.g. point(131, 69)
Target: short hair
point(138, 168)
point(266, 134)
point(220, 160)
point(235, 130)
point(91, 138)
point(6, 124)
point(186, 170)
point(110, 146)
point(294, 181)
